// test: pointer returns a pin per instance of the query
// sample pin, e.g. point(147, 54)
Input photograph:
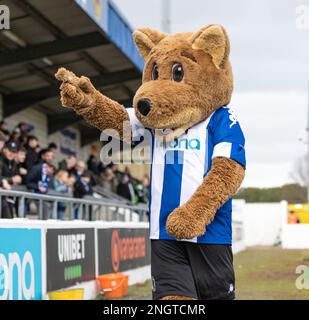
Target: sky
point(270, 59)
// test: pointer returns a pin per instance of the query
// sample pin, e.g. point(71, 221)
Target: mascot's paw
point(181, 224)
point(75, 91)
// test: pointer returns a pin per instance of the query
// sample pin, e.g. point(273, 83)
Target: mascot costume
point(187, 86)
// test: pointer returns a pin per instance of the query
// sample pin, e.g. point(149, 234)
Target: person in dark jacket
point(4, 128)
point(32, 156)
point(39, 180)
point(92, 164)
point(9, 177)
point(68, 164)
point(125, 188)
point(40, 177)
point(20, 160)
point(8, 166)
point(82, 188)
point(46, 155)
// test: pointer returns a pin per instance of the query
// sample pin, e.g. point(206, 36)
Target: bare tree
point(300, 173)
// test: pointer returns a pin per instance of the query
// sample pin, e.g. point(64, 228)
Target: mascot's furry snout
point(163, 104)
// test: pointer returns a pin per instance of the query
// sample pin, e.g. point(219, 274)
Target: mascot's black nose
point(144, 106)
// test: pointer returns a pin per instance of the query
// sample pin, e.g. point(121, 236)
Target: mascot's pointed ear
point(145, 39)
point(214, 41)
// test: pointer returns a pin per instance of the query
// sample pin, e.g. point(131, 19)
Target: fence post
point(71, 211)
point(55, 205)
point(21, 207)
point(40, 209)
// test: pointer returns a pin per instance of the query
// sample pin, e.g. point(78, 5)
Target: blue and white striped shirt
point(179, 167)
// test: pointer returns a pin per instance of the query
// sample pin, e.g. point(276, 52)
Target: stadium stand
point(44, 147)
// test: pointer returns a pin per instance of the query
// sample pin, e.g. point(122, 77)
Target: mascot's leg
point(172, 277)
point(176, 298)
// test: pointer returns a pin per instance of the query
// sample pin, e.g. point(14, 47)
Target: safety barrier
point(37, 257)
point(41, 256)
point(101, 209)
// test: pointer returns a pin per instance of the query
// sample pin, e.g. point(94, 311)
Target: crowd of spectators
point(26, 165)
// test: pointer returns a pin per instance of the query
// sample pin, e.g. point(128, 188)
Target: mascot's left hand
point(185, 223)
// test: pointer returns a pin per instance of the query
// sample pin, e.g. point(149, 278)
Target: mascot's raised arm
point(187, 87)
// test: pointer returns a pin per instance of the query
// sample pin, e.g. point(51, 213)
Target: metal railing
point(88, 208)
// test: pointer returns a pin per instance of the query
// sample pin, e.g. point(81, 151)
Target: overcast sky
point(270, 58)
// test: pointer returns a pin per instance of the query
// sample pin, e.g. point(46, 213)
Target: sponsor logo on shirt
point(232, 117)
point(181, 144)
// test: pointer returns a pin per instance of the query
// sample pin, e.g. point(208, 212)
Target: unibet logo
point(21, 267)
point(182, 143)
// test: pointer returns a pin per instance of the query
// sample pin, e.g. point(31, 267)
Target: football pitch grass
point(262, 273)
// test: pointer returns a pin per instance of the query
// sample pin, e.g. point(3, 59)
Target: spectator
point(8, 166)
point(125, 188)
point(3, 139)
point(71, 180)
point(61, 184)
point(20, 160)
point(92, 164)
point(40, 179)
point(4, 128)
point(53, 147)
point(24, 129)
point(79, 168)
point(116, 172)
point(82, 188)
point(107, 179)
point(46, 155)
point(16, 137)
point(9, 176)
point(141, 190)
point(31, 154)
point(68, 164)
point(293, 217)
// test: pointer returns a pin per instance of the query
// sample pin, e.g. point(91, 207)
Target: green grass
point(269, 273)
point(261, 273)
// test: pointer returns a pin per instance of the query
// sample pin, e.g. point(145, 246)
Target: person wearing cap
point(9, 176)
point(8, 167)
point(32, 156)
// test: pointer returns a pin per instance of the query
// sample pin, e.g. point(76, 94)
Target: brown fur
point(207, 85)
point(190, 219)
point(97, 109)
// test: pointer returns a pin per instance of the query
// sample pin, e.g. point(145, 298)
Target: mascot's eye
point(177, 72)
point(155, 72)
